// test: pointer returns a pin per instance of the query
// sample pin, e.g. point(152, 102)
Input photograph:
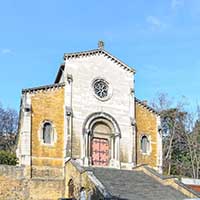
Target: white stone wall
point(24, 144)
point(120, 106)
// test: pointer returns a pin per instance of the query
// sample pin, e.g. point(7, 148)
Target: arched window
point(71, 188)
point(47, 133)
point(145, 144)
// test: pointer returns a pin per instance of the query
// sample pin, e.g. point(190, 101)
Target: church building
point(88, 119)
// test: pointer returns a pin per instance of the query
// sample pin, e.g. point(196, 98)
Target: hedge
point(7, 158)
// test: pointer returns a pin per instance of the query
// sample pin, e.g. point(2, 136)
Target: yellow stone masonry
point(80, 179)
point(48, 105)
point(146, 125)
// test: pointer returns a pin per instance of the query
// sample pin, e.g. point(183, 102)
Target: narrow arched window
point(71, 188)
point(145, 145)
point(47, 133)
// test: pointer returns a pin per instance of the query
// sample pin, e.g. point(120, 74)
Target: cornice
point(45, 87)
point(146, 106)
point(99, 51)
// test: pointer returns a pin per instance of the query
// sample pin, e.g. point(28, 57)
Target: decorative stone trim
point(99, 51)
point(139, 102)
point(44, 88)
point(104, 115)
point(90, 121)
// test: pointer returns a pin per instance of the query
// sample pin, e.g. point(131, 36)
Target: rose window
point(100, 88)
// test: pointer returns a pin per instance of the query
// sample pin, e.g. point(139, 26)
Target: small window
point(47, 135)
point(145, 144)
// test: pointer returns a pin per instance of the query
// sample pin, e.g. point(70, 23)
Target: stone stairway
point(134, 185)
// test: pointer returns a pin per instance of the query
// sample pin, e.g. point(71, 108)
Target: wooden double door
point(100, 151)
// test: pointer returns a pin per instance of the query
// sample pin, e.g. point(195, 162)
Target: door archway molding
point(89, 123)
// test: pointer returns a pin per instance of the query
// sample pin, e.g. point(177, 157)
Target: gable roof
point(99, 51)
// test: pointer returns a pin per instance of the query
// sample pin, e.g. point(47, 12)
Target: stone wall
point(12, 183)
point(146, 125)
point(15, 186)
point(80, 179)
point(11, 188)
point(46, 189)
point(12, 171)
point(47, 159)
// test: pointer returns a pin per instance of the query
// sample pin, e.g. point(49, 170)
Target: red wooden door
point(100, 152)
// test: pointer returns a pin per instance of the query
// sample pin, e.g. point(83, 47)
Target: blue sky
point(160, 38)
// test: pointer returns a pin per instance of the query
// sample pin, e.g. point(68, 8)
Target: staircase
point(134, 185)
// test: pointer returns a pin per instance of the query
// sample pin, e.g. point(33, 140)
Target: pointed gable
point(99, 51)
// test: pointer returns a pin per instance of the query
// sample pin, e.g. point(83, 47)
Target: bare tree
point(172, 122)
point(161, 102)
point(192, 138)
point(8, 128)
point(181, 137)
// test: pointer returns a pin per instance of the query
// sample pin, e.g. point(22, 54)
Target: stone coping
point(45, 87)
point(146, 106)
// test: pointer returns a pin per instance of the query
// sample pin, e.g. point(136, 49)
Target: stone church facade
point(92, 115)
point(89, 118)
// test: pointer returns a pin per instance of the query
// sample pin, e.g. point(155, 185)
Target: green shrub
point(7, 158)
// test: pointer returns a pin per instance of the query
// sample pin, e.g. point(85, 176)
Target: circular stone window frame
point(110, 89)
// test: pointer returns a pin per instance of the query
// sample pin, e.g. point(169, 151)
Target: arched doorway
point(101, 144)
point(71, 188)
point(101, 137)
